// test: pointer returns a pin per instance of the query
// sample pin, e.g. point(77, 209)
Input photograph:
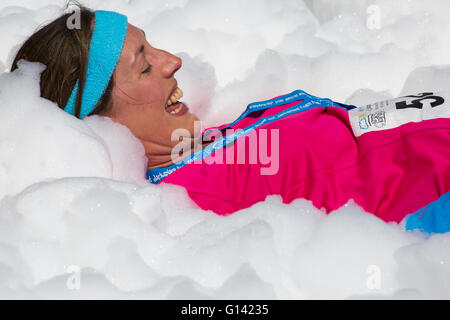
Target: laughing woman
point(385, 156)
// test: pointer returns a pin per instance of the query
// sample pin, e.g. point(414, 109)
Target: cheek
point(151, 92)
point(142, 92)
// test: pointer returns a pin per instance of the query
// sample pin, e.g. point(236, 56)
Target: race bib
point(393, 113)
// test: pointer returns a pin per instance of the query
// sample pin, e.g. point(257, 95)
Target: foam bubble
point(78, 219)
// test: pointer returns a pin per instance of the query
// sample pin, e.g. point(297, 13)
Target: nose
point(172, 64)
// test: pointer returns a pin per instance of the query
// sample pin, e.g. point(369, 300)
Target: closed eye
point(148, 69)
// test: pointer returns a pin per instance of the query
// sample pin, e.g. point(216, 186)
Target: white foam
point(74, 203)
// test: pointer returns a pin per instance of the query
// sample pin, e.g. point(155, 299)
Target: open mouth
point(175, 107)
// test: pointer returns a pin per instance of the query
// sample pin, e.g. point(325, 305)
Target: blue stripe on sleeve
point(433, 218)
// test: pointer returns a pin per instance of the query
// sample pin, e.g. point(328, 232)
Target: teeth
point(175, 97)
point(177, 109)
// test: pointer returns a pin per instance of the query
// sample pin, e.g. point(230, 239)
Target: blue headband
point(105, 48)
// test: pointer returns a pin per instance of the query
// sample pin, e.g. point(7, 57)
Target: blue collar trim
point(156, 175)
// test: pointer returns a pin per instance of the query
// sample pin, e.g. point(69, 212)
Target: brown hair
point(65, 53)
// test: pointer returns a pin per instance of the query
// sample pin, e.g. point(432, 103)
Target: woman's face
point(144, 83)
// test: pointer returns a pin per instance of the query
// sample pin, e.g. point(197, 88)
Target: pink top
point(389, 173)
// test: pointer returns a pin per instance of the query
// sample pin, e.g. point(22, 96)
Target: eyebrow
point(141, 49)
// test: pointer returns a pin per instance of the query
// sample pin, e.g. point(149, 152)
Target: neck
point(161, 156)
